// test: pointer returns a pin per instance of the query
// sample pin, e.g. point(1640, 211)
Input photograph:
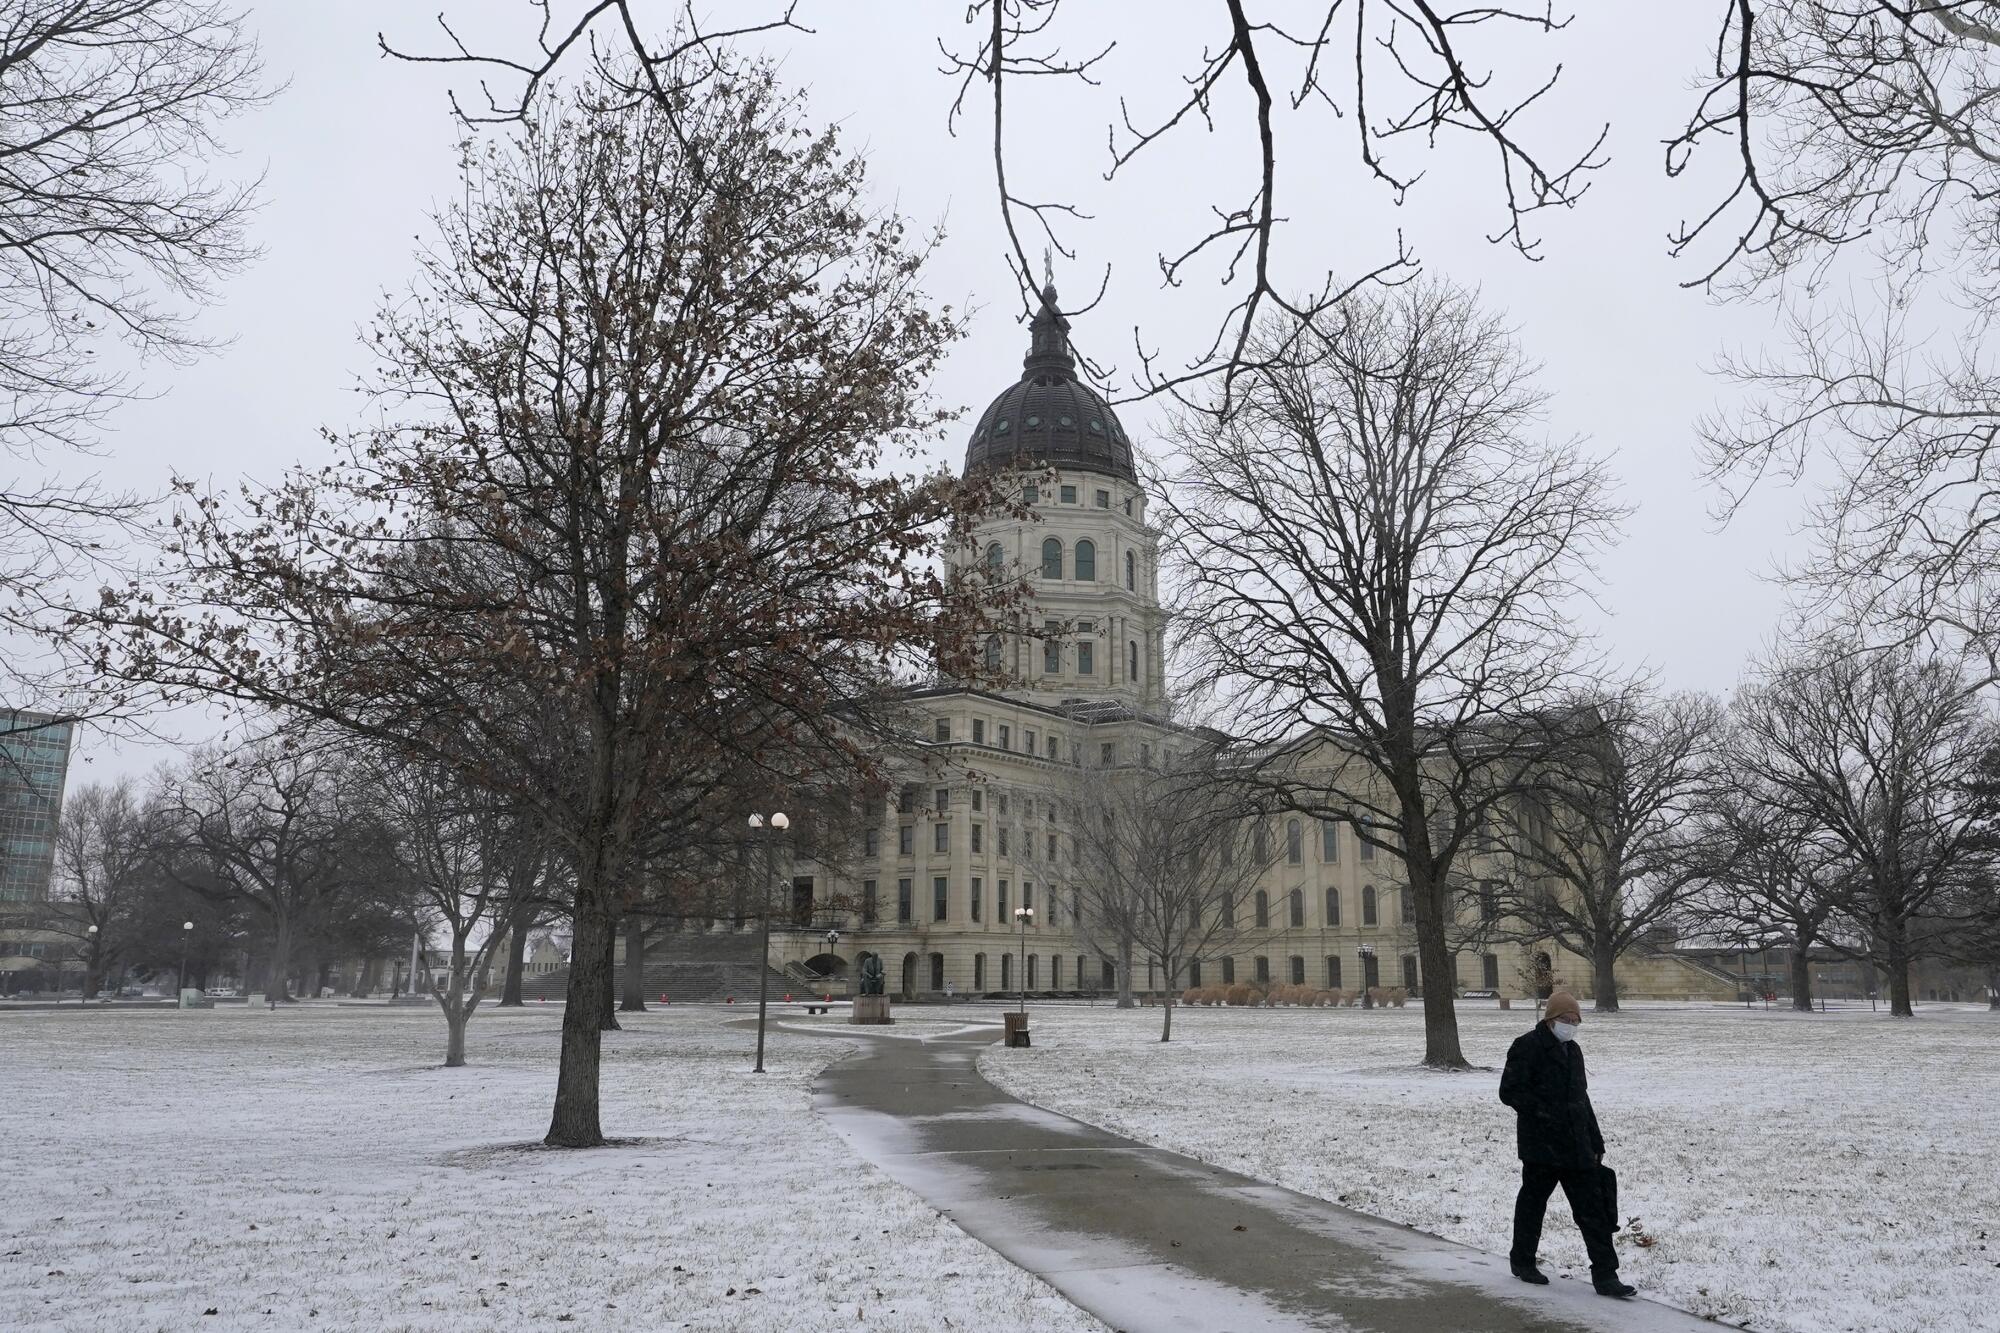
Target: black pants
point(1583, 1185)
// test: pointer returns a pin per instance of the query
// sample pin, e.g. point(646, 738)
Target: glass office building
point(34, 763)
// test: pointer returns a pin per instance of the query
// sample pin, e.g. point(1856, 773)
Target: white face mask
point(1563, 1031)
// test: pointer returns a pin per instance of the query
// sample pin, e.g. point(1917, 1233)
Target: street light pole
point(1367, 951)
point(777, 824)
point(186, 927)
point(832, 959)
point(1024, 915)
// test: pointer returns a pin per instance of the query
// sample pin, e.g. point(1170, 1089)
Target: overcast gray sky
point(359, 149)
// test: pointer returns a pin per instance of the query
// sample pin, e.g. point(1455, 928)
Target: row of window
point(1052, 656)
point(1329, 843)
point(1049, 915)
point(1375, 909)
point(1066, 493)
point(1083, 562)
point(1489, 971)
point(1005, 841)
point(1003, 738)
point(1105, 973)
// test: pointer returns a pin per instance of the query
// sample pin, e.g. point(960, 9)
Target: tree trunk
point(607, 1013)
point(457, 1005)
point(1125, 1000)
point(1167, 1005)
point(517, 959)
point(575, 1123)
point(1896, 962)
point(1604, 976)
point(280, 963)
point(1802, 996)
point(634, 999)
point(1441, 1045)
point(455, 1018)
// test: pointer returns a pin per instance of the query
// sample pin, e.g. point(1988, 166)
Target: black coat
point(1544, 1082)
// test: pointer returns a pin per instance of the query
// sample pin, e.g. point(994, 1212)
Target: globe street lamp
point(832, 959)
point(186, 926)
point(1367, 952)
point(1024, 915)
point(771, 828)
point(90, 942)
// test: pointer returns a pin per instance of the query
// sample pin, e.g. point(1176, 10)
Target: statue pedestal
point(870, 1009)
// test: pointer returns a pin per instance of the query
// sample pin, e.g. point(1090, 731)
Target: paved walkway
point(1147, 1239)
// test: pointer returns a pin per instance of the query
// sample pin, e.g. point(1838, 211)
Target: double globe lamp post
point(772, 828)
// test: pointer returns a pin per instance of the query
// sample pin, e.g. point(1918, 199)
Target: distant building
point(34, 765)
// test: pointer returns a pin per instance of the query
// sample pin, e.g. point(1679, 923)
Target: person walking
point(1560, 1144)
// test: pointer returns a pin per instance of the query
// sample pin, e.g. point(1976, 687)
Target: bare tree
point(1862, 123)
point(1602, 830)
point(1164, 867)
point(111, 232)
point(1377, 548)
point(453, 843)
point(641, 538)
point(1766, 879)
point(1395, 78)
point(1874, 754)
point(1863, 130)
point(287, 831)
point(102, 846)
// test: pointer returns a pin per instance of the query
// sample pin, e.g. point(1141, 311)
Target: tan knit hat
point(1562, 1005)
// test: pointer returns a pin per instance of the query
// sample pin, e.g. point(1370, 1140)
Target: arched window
point(1131, 572)
point(1333, 907)
point(1032, 960)
point(1368, 905)
point(993, 654)
point(1294, 842)
point(979, 971)
point(1051, 559)
point(1055, 971)
point(1263, 908)
point(1132, 660)
point(1299, 911)
point(995, 557)
point(1260, 846)
point(1086, 561)
point(1006, 971)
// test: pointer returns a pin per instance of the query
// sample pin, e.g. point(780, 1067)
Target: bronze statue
point(871, 975)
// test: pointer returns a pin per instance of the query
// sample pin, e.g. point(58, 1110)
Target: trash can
point(1016, 1029)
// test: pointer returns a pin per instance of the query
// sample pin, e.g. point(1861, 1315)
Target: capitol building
point(983, 822)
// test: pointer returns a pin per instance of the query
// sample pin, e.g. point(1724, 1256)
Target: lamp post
point(90, 945)
point(775, 825)
point(186, 927)
point(1367, 952)
point(1024, 915)
point(832, 943)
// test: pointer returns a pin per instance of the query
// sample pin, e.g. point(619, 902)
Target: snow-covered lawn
point(1824, 1172)
point(239, 1169)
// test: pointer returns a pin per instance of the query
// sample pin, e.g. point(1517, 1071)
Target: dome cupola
point(1049, 418)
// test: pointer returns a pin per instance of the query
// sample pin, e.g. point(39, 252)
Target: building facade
point(34, 766)
point(987, 825)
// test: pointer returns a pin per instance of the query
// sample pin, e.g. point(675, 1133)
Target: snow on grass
point(238, 1169)
point(1822, 1172)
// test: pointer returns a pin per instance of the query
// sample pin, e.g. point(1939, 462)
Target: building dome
point(1049, 418)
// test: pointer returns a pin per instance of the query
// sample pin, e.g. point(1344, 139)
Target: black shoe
point(1528, 1273)
point(1611, 1286)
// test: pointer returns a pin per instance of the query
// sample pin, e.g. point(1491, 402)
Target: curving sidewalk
point(1146, 1239)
